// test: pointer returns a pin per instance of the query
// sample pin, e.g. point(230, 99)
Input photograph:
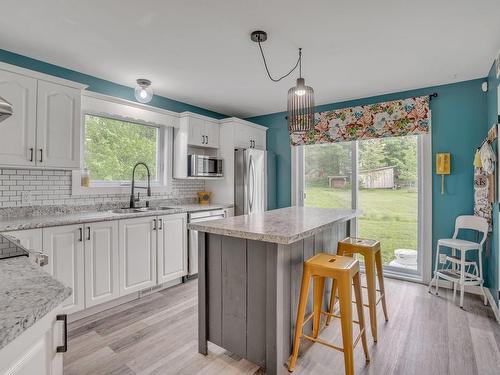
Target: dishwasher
point(197, 217)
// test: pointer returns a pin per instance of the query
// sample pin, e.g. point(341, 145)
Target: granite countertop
point(283, 226)
point(27, 293)
point(10, 223)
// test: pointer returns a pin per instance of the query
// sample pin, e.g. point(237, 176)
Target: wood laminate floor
point(158, 335)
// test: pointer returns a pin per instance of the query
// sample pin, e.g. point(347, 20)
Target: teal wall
point(493, 254)
point(100, 85)
point(459, 124)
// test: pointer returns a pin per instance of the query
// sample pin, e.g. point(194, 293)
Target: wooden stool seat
point(370, 250)
point(344, 272)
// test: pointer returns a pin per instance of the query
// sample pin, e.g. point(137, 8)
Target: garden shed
point(378, 178)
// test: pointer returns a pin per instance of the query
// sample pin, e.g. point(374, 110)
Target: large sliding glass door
point(384, 178)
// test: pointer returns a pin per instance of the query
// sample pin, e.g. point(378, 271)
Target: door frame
point(424, 201)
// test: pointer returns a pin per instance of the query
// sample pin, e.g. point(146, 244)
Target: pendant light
point(300, 103)
point(143, 91)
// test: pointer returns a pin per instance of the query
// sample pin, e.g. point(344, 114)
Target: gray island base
point(250, 270)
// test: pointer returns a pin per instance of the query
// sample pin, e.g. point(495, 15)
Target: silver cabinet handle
point(154, 224)
point(88, 233)
point(41, 155)
point(64, 347)
point(160, 221)
point(207, 139)
point(31, 153)
point(81, 234)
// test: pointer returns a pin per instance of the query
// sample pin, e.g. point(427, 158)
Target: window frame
point(424, 238)
point(160, 152)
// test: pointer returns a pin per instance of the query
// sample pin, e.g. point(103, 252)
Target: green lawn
point(389, 216)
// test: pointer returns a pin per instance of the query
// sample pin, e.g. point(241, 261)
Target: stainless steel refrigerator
point(250, 181)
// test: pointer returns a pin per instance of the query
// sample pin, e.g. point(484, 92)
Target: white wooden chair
point(457, 269)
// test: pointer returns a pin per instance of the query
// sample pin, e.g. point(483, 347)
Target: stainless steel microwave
point(204, 166)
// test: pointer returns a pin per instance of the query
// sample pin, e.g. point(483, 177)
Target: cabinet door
point(259, 139)
point(31, 239)
point(212, 134)
point(196, 132)
point(242, 136)
point(172, 247)
point(64, 247)
point(137, 246)
point(58, 126)
point(101, 262)
point(18, 132)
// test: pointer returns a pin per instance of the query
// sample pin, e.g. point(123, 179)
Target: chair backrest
point(472, 222)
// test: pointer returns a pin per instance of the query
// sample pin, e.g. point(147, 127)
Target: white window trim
point(424, 202)
point(102, 105)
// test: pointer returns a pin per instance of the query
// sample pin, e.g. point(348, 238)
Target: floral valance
point(388, 119)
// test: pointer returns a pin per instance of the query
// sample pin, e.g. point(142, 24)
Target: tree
point(113, 147)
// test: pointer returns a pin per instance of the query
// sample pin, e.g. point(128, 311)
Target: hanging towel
point(488, 158)
point(482, 205)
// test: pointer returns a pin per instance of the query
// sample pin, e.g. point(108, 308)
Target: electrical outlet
point(442, 258)
point(26, 197)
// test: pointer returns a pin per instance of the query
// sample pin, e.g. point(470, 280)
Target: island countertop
point(282, 226)
point(27, 293)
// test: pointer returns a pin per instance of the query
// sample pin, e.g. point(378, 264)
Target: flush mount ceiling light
point(143, 91)
point(300, 103)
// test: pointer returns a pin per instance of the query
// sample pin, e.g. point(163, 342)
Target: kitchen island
point(250, 270)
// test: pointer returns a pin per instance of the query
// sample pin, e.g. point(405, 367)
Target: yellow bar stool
point(344, 272)
point(370, 250)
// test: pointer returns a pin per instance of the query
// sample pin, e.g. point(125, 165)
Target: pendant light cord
point(298, 63)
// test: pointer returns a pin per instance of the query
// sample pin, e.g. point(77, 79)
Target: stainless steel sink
point(125, 211)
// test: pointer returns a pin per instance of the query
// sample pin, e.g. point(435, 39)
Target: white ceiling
point(199, 52)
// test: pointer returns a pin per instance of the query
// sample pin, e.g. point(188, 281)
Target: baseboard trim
point(121, 300)
point(475, 289)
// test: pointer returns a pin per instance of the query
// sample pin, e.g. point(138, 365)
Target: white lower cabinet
point(35, 350)
point(101, 262)
point(172, 247)
point(31, 239)
point(137, 244)
point(64, 247)
point(105, 260)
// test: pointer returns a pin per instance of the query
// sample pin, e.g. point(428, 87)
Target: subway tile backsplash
point(30, 187)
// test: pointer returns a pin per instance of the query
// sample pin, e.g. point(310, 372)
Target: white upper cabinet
point(212, 134)
point(58, 126)
point(196, 131)
point(249, 136)
point(202, 131)
point(18, 132)
point(45, 129)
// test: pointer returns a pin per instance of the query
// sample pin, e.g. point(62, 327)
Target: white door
point(212, 134)
point(196, 131)
point(31, 239)
point(172, 247)
point(101, 262)
point(58, 126)
point(18, 132)
point(64, 247)
point(137, 244)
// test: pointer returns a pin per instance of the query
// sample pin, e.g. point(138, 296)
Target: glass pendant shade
point(300, 108)
point(143, 91)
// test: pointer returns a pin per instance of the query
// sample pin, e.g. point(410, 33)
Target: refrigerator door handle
point(252, 178)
